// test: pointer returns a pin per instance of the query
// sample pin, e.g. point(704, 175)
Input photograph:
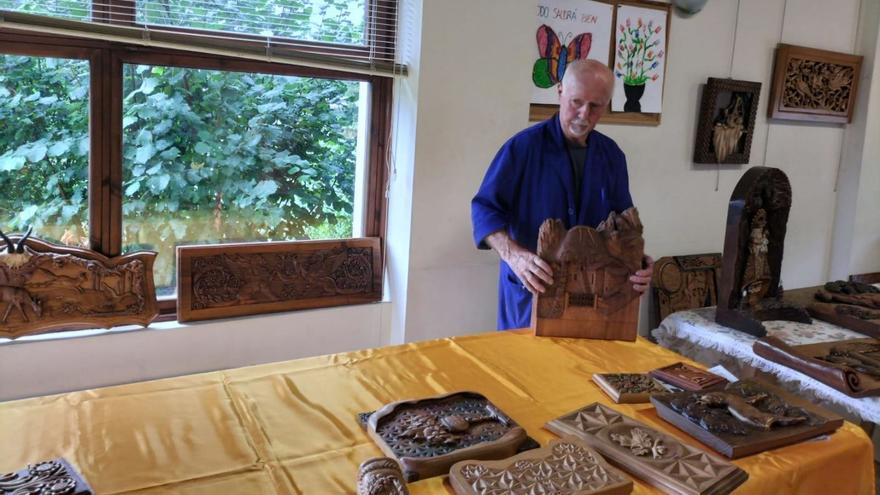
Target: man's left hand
point(642, 279)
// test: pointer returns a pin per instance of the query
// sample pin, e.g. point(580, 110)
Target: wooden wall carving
point(381, 476)
point(56, 477)
point(226, 280)
point(815, 85)
point(727, 121)
point(591, 296)
point(685, 282)
point(45, 287)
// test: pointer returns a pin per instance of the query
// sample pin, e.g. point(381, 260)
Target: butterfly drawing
point(555, 57)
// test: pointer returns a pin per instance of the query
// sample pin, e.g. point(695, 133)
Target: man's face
point(582, 101)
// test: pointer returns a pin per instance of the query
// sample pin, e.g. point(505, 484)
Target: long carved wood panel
point(224, 280)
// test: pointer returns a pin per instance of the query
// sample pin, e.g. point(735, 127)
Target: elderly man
point(560, 168)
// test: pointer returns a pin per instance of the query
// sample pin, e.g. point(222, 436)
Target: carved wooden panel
point(381, 476)
point(628, 388)
point(687, 377)
point(685, 282)
point(866, 278)
point(225, 280)
point(727, 121)
point(815, 85)
point(567, 466)
point(591, 295)
point(56, 477)
point(745, 418)
point(653, 456)
point(45, 287)
point(853, 304)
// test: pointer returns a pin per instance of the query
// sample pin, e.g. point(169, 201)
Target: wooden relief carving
point(567, 466)
point(55, 477)
point(727, 121)
point(225, 280)
point(628, 388)
point(381, 476)
point(685, 282)
point(44, 287)
point(853, 305)
point(591, 296)
point(745, 417)
point(751, 291)
point(427, 436)
point(815, 85)
point(657, 458)
point(687, 377)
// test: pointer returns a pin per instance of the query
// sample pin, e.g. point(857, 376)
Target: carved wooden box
point(567, 466)
point(685, 282)
point(653, 456)
point(628, 388)
point(56, 477)
point(591, 296)
point(224, 280)
point(745, 418)
point(687, 377)
point(427, 436)
point(46, 287)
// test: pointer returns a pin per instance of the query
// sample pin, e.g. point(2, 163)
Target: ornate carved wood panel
point(657, 458)
point(628, 388)
point(685, 282)
point(381, 476)
point(727, 121)
point(225, 280)
point(815, 85)
point(591, 295)
point(46, 287)
point(567, 466)
point(687, 377)
point(745, 417)
point(55, 477)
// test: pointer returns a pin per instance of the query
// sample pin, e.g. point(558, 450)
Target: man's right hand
point(534, 273)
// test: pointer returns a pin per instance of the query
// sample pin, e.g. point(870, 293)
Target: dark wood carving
point(687, 377)
point(866, 278)
point(727, 121)
point(56, 477)
point(628, 388)
point(567, 466)
point(854, 305)
point(685, 282)
point(751, 291)
point(225, 280)
point(745, 417)
point(381, 476)
point(657, 458)
point(427, 436)
point(45, 287)
point(814, 85)
point(850, 366)
point(591, 296)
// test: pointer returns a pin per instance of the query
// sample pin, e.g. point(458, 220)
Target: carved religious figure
point(729, 128)
point(756, 277)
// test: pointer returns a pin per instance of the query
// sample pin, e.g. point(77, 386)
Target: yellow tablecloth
point(291, 428)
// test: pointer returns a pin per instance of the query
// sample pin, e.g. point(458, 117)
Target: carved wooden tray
point(56, 477)
point(567, 466)
point(687, 377)
point(856, 319)
point(629, 388)
point(427, 436)
point(46, 287)
point(653, 456)
point(735, 438)
point(855, 372)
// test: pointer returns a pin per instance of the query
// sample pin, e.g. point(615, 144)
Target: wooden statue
point(381, 476)
point(56, 477)
point(750, 290)
point(45, 287)
point(591, 295)
point(684, 282)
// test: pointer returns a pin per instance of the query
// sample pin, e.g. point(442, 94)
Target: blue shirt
point(531, 180)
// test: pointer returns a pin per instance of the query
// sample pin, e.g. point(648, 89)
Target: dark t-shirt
point(578, 155)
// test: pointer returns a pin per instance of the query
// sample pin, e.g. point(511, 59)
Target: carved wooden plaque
point(685, 282)
point(745, 418)
point(687, 377)
point(628, 388)
point(750, 290)
point(727, 121)
point(56, 477)
point(224, 280)
point(381, 476)
point(653, 456)
point(814, 85)
point(568, 466)
point(591, 296)
point(427, 436)
point(45, 287)
point(854, 305)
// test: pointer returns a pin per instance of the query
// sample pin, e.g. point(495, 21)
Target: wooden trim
point(380, 144)
point(113, 135)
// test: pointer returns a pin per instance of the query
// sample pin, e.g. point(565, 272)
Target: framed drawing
point(727, 121)
point(813, 85)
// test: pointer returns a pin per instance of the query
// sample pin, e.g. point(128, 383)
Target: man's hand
point(642, 278)
point(534, 273)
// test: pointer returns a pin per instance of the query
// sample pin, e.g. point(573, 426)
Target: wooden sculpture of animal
point(14, 297)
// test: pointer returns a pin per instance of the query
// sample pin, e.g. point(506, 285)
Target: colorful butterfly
point(555, 57)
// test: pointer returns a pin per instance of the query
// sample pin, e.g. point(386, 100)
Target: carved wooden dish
point(591, 296)
point(56, 477)
point(684, 282)
point(427, 436)
point(653, 456)
point(713, 417)
point(629, 388)
point(567, 466)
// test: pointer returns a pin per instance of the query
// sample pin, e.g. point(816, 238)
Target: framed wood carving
point(591, 296)
point(684, 282)
point(814, 85)
point(567, 466)
point(628, 388)
point(56, 477)
point(745, 417)
point(381, 476)
point(45, 287)
point(224, 280)
point(653, 456)
point(727, 121)
point(687, 377)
